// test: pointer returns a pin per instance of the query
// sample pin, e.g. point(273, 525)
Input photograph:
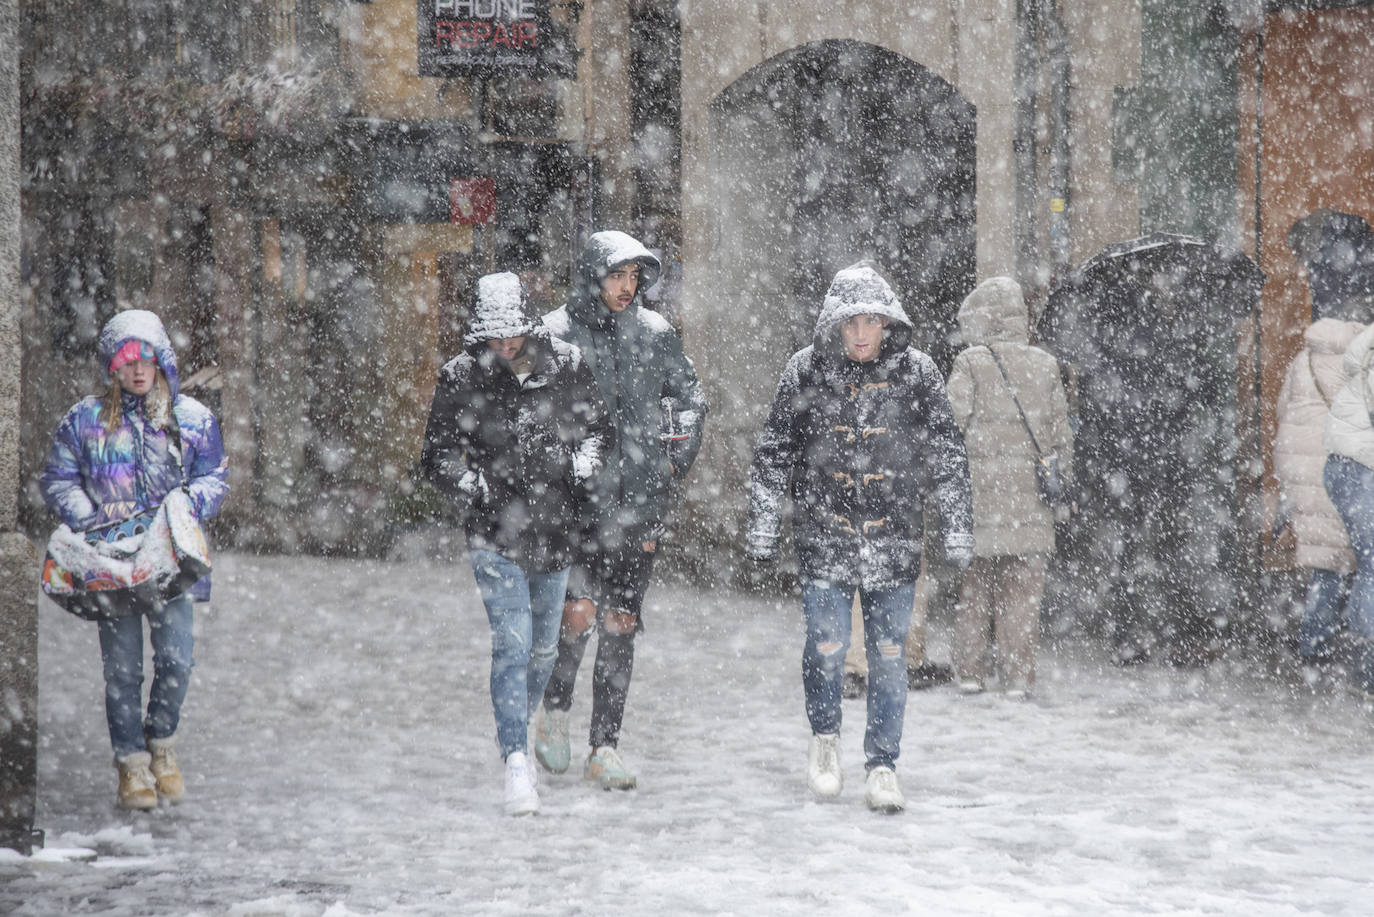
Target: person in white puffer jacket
point(1349, 480)
point(1313, 380)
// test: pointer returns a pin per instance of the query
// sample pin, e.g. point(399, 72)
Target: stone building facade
point(277, 180)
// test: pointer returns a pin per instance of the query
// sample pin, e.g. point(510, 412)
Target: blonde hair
point(157, 404)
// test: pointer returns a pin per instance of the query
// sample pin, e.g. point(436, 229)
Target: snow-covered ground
point(340, 757)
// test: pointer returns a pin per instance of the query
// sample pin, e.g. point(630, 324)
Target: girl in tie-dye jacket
point(114, 459)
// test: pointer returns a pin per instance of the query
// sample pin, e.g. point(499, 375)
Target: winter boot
point(882, 793)
point(551, 746)
point(137, 789)
point(604, 765)
point(521, 796)
point(823, 774)
point(170, 786)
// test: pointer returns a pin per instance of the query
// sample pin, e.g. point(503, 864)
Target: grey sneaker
point(551, 747)
point(605, 766)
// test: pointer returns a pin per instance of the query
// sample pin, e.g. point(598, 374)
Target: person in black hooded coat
point(516, 433)
point(860, 434)
point(656, 402)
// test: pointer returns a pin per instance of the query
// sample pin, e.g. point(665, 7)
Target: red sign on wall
point(472, 201)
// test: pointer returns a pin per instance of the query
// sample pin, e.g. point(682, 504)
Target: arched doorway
point(827, 153)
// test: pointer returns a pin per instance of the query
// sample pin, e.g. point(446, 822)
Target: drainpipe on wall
point(18, 569)
point(1028, 259)
point(1059, 69)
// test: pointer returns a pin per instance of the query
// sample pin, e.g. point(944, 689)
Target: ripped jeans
point(886, 616)
point(524, 611)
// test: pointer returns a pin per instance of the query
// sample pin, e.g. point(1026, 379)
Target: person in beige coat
point(1322, 544)
point(1013, 528)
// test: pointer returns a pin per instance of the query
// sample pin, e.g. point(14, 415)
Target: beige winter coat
point(1348, 428)
point(1008, 515)
point(1313, 380)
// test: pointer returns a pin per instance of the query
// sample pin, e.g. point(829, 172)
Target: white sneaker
point(882, 793)
point(551, 748)
point(823, 774)
point(521, 796)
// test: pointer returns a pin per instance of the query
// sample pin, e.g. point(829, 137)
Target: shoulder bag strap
point(1016, 401)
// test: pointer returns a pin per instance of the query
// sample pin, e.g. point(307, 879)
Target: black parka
point(517, 455)
point(860, 447)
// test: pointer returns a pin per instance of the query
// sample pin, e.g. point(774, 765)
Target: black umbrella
point(1164, 285)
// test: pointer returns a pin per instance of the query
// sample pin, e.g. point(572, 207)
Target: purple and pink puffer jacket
point(93, 478)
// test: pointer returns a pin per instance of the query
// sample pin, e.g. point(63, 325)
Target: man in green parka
point(655, 401)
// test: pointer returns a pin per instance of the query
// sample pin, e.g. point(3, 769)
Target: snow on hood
point(603, 252)
point(138, 325)
point(500, 309)
point(994, 313)
point(860, 290)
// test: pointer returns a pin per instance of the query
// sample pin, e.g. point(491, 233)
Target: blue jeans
point(121, 657)
point(1351, 487)
point(1324, 614)
point(525, 611)
point(886, 616)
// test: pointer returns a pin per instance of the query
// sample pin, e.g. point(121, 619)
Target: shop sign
point(472, 201)
point(488, 37)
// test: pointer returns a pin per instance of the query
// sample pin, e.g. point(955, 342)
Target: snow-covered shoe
point(521, 796)
point(970, 685)
point(137, 789)
point(823, 774)
point(551, 747)
point(166, 774)
point(605, 766)
point(927, 675)
point(882, 793)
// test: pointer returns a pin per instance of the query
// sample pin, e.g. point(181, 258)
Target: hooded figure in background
point(1323, 547)
point(516, 433)
point(114, 460)
point(1348, 476)
point(999, 387)
point(657, 408)
point(860, 435)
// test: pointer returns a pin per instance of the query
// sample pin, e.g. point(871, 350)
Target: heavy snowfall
point(338, 747)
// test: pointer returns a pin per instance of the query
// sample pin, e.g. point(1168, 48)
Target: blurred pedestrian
point(1009, 401)
point(114, 460)
point(860, 434)
point(516, 432)
point(1313, 379)
point(1349, 480)
point(657, 408)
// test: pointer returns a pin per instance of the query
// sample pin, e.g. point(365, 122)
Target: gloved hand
point(959, 550)
point(474, 485)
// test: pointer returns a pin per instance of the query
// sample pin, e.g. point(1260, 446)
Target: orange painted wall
point(1317, 150)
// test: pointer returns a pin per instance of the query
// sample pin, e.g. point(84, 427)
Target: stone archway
point(827, 153)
